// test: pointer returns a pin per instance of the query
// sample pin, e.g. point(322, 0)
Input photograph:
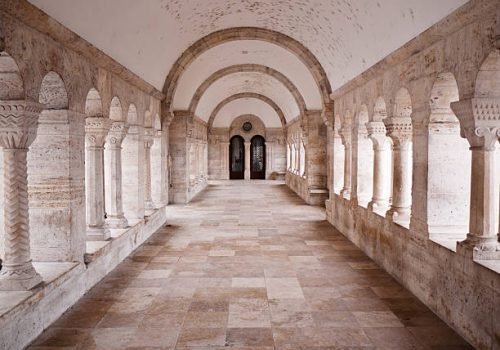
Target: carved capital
point(149, 137)
point(346, 136)
point(18, 123)
point(399, 129)
point(96, 130)
point(117, 133)
point(479, 121)
point(378, 134)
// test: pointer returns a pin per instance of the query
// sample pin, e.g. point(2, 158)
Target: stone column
point(381, 167)
point(480, 125)
point(18, 127)
point(114, 202)
point(399, 129)
point(225, 159)
point(96, 130)
point(269, 157)
point(148, 143)
point(346, 135)
point(247, 160)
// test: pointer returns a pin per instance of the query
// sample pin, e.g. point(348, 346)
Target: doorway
point(258, 158)
point(237, 158)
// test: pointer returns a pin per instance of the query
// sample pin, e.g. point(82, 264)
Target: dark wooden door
point(258, 158)
point(237, 158)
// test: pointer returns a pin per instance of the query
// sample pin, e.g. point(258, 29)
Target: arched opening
point(364, 159)
point(237, 158)
point(52, 168)
point(258, 158)
point(133, 153)
point(448, 187)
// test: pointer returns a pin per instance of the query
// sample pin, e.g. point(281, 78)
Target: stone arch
point(402, 103)
point(53, 92)
point(11, 81)
point(115, 109)
point(265, 99)
point(254, 68)
point(448, 182)
point(488, 78)
point(132, 117)
point(259, 128)
point(247, 33)
point(379, 110)
point(93, 104)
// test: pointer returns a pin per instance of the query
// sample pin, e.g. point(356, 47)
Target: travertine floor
point(248, 266)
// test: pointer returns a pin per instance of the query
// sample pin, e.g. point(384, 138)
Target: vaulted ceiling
point(345, 37)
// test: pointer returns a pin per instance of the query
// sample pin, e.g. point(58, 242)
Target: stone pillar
point(114, 200)
point(269, 157)
point(148, 143)
point(480, 124)
point(225, 159)
point(346, 135)
point(56, 187)
point(158, 169)
point(18, 127)
point(96, 130)
point(399, 129)
point(247, 160)
point(381, 167)
point(338, 162)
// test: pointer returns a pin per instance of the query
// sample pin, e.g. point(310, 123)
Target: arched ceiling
point(232, 110)
point(345, 36)
point(254, 82)
point(247, 52)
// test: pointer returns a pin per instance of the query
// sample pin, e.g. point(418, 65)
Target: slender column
point(225, 159)
point(381, 167)
point(247, 160)
point(148, 143)
point(346, 136)
point(18, 127)
point(480, 125)
point(114, 208)
point(399, 129)
point(269, 156)
point(96, 130)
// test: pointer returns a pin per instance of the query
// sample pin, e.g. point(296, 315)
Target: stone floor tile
point(234, 272)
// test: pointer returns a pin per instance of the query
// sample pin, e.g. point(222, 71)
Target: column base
point(480, 248)
point(149, 208)
point(116, 221)
point(379, 207)
point(345, 194)
point(19, 278)
point(98, 234)
point(399, 216)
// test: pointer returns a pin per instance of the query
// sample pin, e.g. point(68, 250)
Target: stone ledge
point(24, 315)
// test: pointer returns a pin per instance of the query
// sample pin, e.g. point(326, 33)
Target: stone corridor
point(247, 265)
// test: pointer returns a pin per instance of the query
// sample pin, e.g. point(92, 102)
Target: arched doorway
point(237, 158)
point(258, 158)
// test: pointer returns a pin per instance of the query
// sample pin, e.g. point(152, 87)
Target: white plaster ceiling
point(347, 36)
point(247, 105)
point(254, 82)
point(247, 52)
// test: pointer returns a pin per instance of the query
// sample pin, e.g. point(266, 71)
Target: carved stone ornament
point(479, 121)
point(18, 123)
point(96, 130)
point(399, 129)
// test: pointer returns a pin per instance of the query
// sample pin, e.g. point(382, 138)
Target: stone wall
point(189, 156)
point(307, 164)
point(218, 150)
point(409, 212)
